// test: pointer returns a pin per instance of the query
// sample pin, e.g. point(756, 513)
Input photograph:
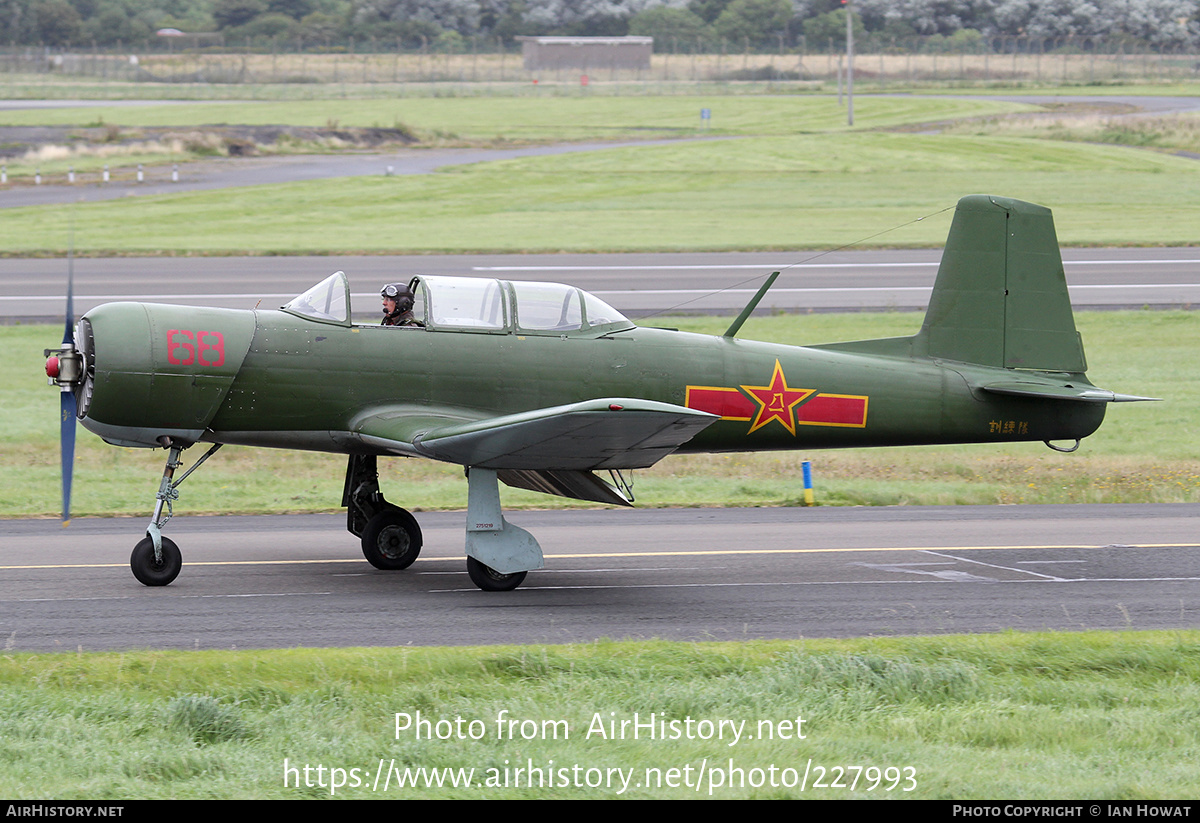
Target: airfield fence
point(878, 64)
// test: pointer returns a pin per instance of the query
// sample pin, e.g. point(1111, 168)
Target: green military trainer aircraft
point(541, 385)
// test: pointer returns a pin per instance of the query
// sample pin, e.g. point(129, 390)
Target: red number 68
point(187, 348)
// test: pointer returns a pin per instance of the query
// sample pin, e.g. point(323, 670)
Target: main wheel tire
point(391, 540)
point(490, 580)
point(150, 572)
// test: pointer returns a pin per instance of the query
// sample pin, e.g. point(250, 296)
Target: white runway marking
point(57, 298)
point(751, 266)
point(997, 566)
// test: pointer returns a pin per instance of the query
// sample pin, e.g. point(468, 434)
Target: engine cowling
point(151, 371)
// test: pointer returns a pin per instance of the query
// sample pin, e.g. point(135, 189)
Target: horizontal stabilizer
point(1085, 394)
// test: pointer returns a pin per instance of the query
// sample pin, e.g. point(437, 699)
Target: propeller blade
point(67, 444)
point(69, 332)
point(67, 402)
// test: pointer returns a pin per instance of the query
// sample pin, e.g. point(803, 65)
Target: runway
point(637, 284)
point(681, 574)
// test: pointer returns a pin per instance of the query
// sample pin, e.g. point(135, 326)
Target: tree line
point(676, 25)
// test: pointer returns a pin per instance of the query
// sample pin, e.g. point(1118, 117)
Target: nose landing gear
point(156, 561)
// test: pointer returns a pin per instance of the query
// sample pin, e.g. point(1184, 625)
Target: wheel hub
point(393, 542)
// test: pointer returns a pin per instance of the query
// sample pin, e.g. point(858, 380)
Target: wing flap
point(577, 485)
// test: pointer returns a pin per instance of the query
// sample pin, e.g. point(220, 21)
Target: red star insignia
point(776, 401)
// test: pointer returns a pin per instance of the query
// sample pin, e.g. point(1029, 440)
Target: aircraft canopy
point(500, 306)
point(477, 304)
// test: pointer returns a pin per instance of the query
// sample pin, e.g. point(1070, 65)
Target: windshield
point(600, 313)
point(328, 301)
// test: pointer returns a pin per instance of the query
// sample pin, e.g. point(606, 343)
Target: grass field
point(1144, 452)
point(498, 122)
point(1094, 716)
point(790, 176)
point(798, 192)
point(537, 119)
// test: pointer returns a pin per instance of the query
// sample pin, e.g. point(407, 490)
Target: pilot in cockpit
point(398, 305)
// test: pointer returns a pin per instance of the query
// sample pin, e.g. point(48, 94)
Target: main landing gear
point(499, 554)
point(490, 580)
point(391, 538)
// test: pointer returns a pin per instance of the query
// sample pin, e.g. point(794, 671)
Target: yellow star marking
point(776, 401)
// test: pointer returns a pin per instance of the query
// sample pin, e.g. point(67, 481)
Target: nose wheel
point(152, 570)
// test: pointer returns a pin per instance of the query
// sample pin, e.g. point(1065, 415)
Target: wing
point(609, 433)
point(551, 450)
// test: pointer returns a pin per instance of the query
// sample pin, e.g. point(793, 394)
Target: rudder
point(1000, 298)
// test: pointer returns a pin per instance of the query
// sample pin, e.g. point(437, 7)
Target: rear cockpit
point(477, 304)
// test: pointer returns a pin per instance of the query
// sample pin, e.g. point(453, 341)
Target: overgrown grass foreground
point(1015, 716)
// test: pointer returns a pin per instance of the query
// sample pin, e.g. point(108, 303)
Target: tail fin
point(1000, 298)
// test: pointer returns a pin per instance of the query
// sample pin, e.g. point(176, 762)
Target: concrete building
point(586, 53)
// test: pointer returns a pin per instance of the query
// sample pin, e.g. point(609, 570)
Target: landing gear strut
point(156, 561)
point(391, 537)
point(499, 554)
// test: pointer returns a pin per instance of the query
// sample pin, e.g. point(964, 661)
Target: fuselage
point(271, 378)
